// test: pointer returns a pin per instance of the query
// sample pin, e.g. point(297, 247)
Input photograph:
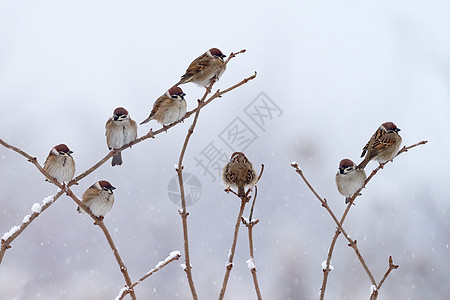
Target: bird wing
point(155, 109)
point(202, 62)
point(108, 136)
point(365, 148)
point(382, 143)
point(110, 120)
point(89, 195)
point(375, 137)
point(157, 105)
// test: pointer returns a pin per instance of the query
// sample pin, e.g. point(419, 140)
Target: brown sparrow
point(120, 131)
point(349, 179)
point(383, 145)
point(99, 198)
point(168, 108)
point(205, 68)
point(60, 164)
point(239, 173)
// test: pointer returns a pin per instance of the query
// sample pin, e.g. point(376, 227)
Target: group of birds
point(121, 130)
point(239, 173)
point(383, 146)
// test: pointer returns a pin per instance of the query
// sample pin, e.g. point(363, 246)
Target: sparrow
point(168, 108)
point(349, 179)
point(205, 68)
point(383, 145)
point(99, 198)
point(60, 164)
point(120, 131)
point(239, 173)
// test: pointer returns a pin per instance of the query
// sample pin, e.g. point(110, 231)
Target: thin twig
point(6, 244)
point(233, 249)
point(175, 255)
point(256, 192)
point(251, 262)
point(392, 266)
point(253, 266)
point(327, 269)
point(101, 224)
point(253, 205)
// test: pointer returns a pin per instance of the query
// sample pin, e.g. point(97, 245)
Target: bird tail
point(146, 120)
point(117, 159)
point(347, 200)
point(364, 163)
point(78, 209)
point(184, 79)
point(241, 191)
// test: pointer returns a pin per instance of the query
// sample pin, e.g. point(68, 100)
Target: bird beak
point(397, 130)
point(112, 188)
point(182, 95)
point(341, 170)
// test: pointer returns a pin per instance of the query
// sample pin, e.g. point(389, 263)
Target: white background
point(337, 70)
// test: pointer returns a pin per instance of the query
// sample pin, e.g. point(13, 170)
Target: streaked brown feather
point(197, 65)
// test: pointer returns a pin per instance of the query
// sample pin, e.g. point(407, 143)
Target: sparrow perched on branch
point(205, 68)
point(239, 173)
point(99, 198)
point(60, 164)
point(120, 131)
point(383, 145)
point(168, 108)
point(349, 179)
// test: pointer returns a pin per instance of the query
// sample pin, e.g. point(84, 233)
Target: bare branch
point(251, 262)
point(175, 255)
point(232, 250)
point(352, 243)
point(375, 289)
point(341, 222)
point(99, 222)
point(392, 266)
point(6, 243)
